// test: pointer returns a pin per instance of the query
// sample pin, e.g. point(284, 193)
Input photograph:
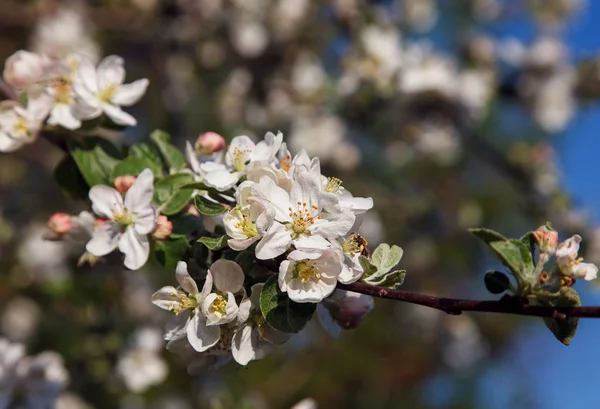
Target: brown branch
point(507, 305)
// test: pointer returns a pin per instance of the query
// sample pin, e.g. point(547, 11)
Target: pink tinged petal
point(311, 243)
point(327, 321)
point(351, 272)
point(118, 116)
point(135, 247)
point(39, 105)
point(298, 255)
point(310, 291)
point(275, 242)
point(8, 144)
point(184, 278)
point(190, 156)
point(129, 94)
point(242, 244)
point(62, 115)
point(247, 345)
point(330, 264)
point(87, 76)
point(106, 201)
point(110, 72)
point(166, 298)
point(227, 275)
point(200, 336)
point(105, 239)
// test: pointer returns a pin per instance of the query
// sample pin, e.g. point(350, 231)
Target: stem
point(506, 305)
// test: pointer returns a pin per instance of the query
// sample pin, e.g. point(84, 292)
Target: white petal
point(105, 239)
point(118, 116)
point(129, 94)
point(247, 345)
point(327, 321)
point(8, 144)
point(334, 227)
point(221, 179)
point(242, 244)
point(305, 190)
point(135, 247)
point(310, 291)
point(106, 201)
point(62, 115)
point(110, 72)
point(86, 76)
point(190, 155)
point(207, 287)
point(227, 275)
point(184, 278)
point(278, 198)
point(176, 325)
point(166, 298)
point(200, 336)
point(243, 310)
point(311, 243)
point(255, 294)
point(145, 220)
point(139, 196)
point(275, 242)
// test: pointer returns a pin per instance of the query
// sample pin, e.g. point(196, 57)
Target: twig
point(454, 306)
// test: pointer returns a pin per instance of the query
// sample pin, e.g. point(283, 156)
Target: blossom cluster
point(63, 92)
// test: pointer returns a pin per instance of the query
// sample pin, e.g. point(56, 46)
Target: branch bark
point(506, 305)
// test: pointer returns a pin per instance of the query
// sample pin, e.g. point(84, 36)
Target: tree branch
point(506, 305)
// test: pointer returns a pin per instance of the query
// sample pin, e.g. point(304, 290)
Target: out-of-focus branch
point(454, 306)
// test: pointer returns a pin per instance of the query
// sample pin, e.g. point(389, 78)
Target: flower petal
point(327, 321)
point(275, 242)
point(118, 116)
point(227, 275)
point(200, 336)
point(139, 196)
point(110, 72)
point(129, 94)
point(166, 298)
point(106, 201)
point(184, 278)
point(135, 247)
point(105, 239)
point(247, 345)
point(8, 144)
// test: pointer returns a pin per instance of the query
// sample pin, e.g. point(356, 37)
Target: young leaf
point(368, 268)
point(280, 312)
point(393, 279)
point(214, 243)
point(169, 194)
point(488, 235)
point(170, 154)
point(208, 207)
point(149, 155)
point(385, 257)
point(563, 329)
point(95, 159)
point(169, 252)
point(132, 165)
point(510, 254)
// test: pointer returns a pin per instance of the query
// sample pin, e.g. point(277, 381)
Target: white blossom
point(20, 125)
point(128, 221)
point(569, 262)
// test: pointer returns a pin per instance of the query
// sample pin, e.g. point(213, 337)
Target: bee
point(360, 243)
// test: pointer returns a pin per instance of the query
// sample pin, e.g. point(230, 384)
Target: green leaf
point(69, 178)
point(281, 313)
point(169, 194)
point(95, 158)
point(170, 154)
point(368, 268)
point(496, 282)
point(488, 235)
point(186, 224)
point(563, 329)
point(197, 185)
point(385, 257)
point(525, 250)
point(214, 243)
point(169, 252)
point(510, 254)
point(132, 165)
point(149, 155)
point(209, 208)
point(393, 279)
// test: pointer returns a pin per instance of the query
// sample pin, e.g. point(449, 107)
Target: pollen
point(246, 226)
point(124, 217)
point(306, 270)
point(21, 127)
point(185, 303)
point(302, 219)
point(334, 185)
point(218, 306)
point(62, 90)
point(286, 163)
point(240, 156)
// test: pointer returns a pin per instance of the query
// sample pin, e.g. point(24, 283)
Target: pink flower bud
point(99, 222)
point(24, 69)
point(123, 183)
point(60, 223)
point(350, 309)
point(547, 239)
point(209, 143)
point(163, 228)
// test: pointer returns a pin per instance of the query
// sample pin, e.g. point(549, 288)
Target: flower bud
point(163, 228)
point(350, 309)
point(60, 223)
point(209, 143)
point(123, 183)
point(547, 239)
point(24, 69)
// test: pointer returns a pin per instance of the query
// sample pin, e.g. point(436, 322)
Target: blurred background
point(451, 114)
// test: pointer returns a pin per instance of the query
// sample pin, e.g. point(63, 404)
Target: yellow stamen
point(185, 302)
point(218, 306)
point(334, 185)
point(306, 270)
point(302, 219)
point(106, 94)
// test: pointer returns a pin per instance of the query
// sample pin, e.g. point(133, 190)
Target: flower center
point(334, 185)
point(302, 219)
point(218, 306)
point(62, 91)
point(21, 127)
point(185, 302)
point(306, 270)
point(124, 217)
point(246, 226)
point(240, 158)
point(286, 163)
point(107, 93)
